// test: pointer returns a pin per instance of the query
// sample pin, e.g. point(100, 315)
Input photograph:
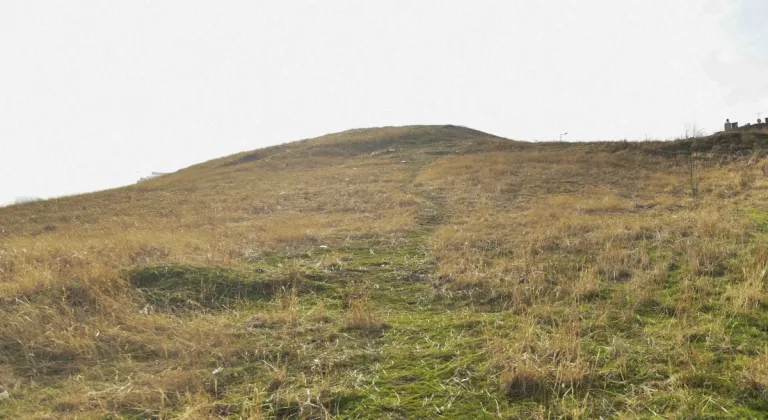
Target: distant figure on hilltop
point(728, 124)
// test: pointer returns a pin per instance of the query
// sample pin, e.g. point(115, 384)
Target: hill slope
point(400, 272)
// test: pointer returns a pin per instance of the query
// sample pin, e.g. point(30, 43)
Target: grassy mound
point(401, 272)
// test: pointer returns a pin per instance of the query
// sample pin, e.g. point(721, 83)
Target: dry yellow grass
point(416, 271)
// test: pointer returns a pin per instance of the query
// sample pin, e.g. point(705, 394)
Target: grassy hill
point(400, 272)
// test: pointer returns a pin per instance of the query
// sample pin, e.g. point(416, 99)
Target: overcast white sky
point(95, 94)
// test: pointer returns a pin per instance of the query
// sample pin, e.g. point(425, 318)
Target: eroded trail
point(431, 360)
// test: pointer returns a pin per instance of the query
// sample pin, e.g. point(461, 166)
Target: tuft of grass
point(587, 286)
point(359, 315)
point(750, 293)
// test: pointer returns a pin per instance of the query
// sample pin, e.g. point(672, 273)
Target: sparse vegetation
point(409, 272)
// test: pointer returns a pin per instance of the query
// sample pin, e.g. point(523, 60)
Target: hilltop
point(399, 272)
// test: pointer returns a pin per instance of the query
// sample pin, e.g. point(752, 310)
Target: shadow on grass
point(177, 287)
